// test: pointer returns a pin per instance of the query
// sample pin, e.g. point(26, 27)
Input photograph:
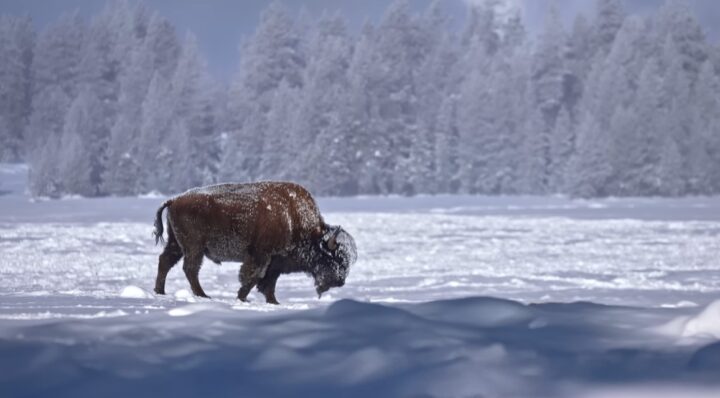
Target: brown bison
point(273, 228)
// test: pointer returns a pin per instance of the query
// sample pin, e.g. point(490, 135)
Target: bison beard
point(273, 228)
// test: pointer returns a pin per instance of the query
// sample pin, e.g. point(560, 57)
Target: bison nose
point(341, 283)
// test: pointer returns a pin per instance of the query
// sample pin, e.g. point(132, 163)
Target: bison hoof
point(272, 301)
point(159, 291)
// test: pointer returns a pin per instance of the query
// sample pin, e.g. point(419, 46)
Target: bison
point(273, 228)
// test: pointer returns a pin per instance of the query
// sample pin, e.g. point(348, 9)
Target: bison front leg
point(191, 266)
point(251, 272)
point(266, 285)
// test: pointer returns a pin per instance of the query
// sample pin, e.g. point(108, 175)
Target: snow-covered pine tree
point(675, 20)
point(80, 164)
point(273, 54)
point(578, 58)
point(562, 146)
point(195, 105)
point(46, 126)
point(277, 150)
point(704, 151)
point(446, 147)
point(162, 45)
point(361, 113)
point(397, 52)
point(609, 17)
point(155, 141)
point(650, 111)
point(547, 83)
point(479, 143)
point(589, 167)
point(123, 164)
point(317, 134)
point(16, 44)
point(436, 80)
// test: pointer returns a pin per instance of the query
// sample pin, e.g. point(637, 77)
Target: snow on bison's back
point(271, 227)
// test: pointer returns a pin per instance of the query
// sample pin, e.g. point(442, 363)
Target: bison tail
point(159, 224)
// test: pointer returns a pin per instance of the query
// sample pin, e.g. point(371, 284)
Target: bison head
point(336, 253)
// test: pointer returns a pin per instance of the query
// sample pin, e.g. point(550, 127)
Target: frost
point(134, 292)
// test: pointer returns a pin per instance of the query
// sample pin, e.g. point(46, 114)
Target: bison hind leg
point(169, 257)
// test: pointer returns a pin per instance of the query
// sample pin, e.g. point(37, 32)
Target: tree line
point(122, 105)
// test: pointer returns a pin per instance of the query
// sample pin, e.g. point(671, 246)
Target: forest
point(123, 104)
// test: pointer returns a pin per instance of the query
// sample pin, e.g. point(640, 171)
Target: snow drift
point(455, 348)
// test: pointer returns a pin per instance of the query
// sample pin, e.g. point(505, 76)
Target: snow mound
point(196, 308)
point(152, 195)
point(705, 324)
point(184, 294)
point(134, 292)
point(688, 328)
point(469, 347)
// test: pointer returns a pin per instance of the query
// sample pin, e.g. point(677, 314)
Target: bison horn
point(332, 242)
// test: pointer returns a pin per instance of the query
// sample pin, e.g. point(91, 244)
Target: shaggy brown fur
point(271, 227)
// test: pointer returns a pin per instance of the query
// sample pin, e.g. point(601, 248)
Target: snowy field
point(451, 297)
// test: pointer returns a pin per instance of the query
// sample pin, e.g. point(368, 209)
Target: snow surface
point(450, 297)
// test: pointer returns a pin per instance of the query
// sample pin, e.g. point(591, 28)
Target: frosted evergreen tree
point(44, 178)
point(46, 124)
point(678, 124)
point(155, 151)
point(80, 167)
point(650, 111)
point(626, 135)
point(123, 163)
point(361, 113)
point(194, 104)
point(16, 43)
point(704, 153)
point(277, 150)
point(615, 79)
point(446, 147)
point(482, 116)
point(436, 80)
point(273, 54)
point(549, 69)
point(589, 166)
point(675, 20)
point(397, 52)
point(322, 103)
point(57, 57)
point(670, 169)
point(55, 83)
point(547, 82)
point(330, 163)
point(608, 20)
point(578, 58)
point(161, 43)
point(535, 155)
point(481, 27)
point(562, 146)
point(104, 52)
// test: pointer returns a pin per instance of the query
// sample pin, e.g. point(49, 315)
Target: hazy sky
point(220, 24)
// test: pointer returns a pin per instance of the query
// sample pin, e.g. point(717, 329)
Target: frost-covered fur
point(273, 228)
